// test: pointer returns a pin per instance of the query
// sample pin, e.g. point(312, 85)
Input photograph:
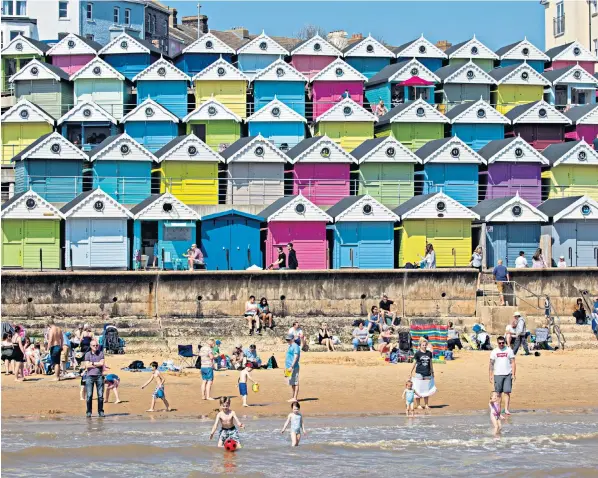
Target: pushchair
point(111, 342)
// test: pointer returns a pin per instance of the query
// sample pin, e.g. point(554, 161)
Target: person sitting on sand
point(238, 358)
point(384, 340)
point(159, 391)
point(453, 338)
point(228, 421)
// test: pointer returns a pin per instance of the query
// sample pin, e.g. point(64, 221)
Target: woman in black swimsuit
point(325, 337)
point(18, 354)
point(7, 352)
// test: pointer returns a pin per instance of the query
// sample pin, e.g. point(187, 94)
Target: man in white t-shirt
point(297, 332)
point(521, 261)
point(502, 371)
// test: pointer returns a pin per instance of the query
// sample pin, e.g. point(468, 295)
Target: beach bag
point(394, 357)
point(272, 363)
point(136, 365)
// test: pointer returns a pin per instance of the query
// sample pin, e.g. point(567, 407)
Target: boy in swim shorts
point(243, 377)
point(228, 422)
point(159, 391)
point(409, 395)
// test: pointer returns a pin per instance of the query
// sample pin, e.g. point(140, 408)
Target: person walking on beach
point(295, 418)
point(292, 366)
point(159, 391)
point(424, 370)
point(94, 368)
point(228, 421)
point(520, 334)
point(502, 371)
point(207, 370)
point(55, 343)
point(409, 395)
point(243, 377)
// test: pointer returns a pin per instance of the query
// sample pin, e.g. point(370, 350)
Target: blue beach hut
point(258, 53)
point(279, 80)
point(570, 85)
point(151, 125)
point(87, 124)
point(230, 240)
point(279, 124)
point(367, 55)
point(130, 56)
point(363, 234)
point(522, 52)
point(204, 51)
point(423, 51)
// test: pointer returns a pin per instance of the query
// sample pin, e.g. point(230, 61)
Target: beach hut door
point(80, 242)
point(587, 244)
point(12, 243)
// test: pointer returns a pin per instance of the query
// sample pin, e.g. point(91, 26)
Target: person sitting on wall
point(374, 321)
point(384, 307)
point(280, 262)
point(579, 312)
point(361, 337)
point(194, 258)
point(265, 314)
point(251, 315)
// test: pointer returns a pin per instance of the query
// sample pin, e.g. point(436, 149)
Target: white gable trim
point(379, 212)
point(78, 210)
point(313, 153)
point(116, 46)
point(33, 113)
point(186, 213)
point(309, 48)
point(266, 114)
point(410, 114)
point(379, 154)
point(532, 115)
point(71, 45)
point(369, 47)
point(572, 157)
point(407, 71)
point(329, 73)
point(516, 53)
point(444, 154)
point(203, 112)
point(87, 111)
point(413, 50)
point(253, 47)
point(465, 51)
point(139, 153)
point(569, 54)
point(279, 70)
point(19, 210)
point(529, 213)
point(201, 45)
point(574, 210)
point(357, 113)
point(161, 70)
point(591, 117)
point(203, 152)
point(243, 154)
point(311, 213)
point(528, 153)
point(428, 210)
point(221, 70)
point(43, 150)
point(159, 113)
point(491, 115)
point(462, 75)
point(97, 69)
point(25, 73)
point(576, 75)
point(533, 77)
point(26, 48)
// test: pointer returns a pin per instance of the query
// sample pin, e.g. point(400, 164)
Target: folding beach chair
point(542, 339)
point(186, 356)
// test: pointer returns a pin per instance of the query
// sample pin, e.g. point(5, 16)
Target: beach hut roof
point(22, 45)
point(276, 112)
point(448, 150)
point(418, 111)
point(471, 49)
point(572, 152)
point(470, 73)
point(511, 150)
point(434, 206)
point(188, 148)
point(212, 110)
point(294, 209)
point(521, 74)
point(36, 70)
point(220, 70)
point(149, 110)
point(279, 70)
point(233, 212)
point(319, 149)
point(95, 203)
point(361, 209)
point(479, 112)
point(125, 44)
point(521, 50)
point(402, 71)
point(97, 69)
point(572, 74)
point(263, 45)
point(254, 149)
point(419, 48)
point(162, 70)
point(316, 46)
point(87, 111)
point(209, 43)
point(23, 111)
point(120, 147)
point(574, 207)
point(51, 146)
point(163, 207)
point(339, 70)
point(367, 47)
point(585, 114)
point(385, 149)
point(29, 205)
point(508, 209)
point(73, 44)
point(573, 51)
point(536, 112)
point(347, 111)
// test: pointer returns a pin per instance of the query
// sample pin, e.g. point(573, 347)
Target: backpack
point(404, 342)
point(136, 365)
point(272, 363)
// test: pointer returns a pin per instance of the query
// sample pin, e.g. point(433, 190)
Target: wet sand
point(331, 383)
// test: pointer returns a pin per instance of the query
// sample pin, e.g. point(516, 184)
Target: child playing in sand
point(495, 415)
point(243, 377)
point(159, 392)
point(112, 382)
point(297, 426)
point(409, 395)
point(228, 424)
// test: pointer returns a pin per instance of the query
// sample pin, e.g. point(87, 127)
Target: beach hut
point(584, 122)
point(386, 170)
point(87, 124)
point(255, 171)
point(281, 81)
point(321, 170)
point(572, 53)
point(30, 232)
point(573, 169)
point(450, 166)
point(508, 225)
point(471, 50)
point(477, 123)
point(51, 166)
point(522, 51)
point(363, 234)
point(413, 124)
point(347, 123)
point(73, 52)
point(539, 123)
point(96, 232)
point(165, 84)
point(189, 170)
point(230, 240)
point(163, 221)
point(400, 83)
point(571, 85)
point(130, 56)
point(45, 85)
point(214, 124)
point(309, 57)
point(296, 219)
point(462, 83)
point(99, 82)
point(151, 125)
point(278, 123)
point(516, 85)
point(439, 220)
point(21, 125)
point(514, 167)
point(258, 53)
point(367, 55)
point(222, 82)
point(333, 83)
point(204, 51)
point(122, 168)
point(17, 54)
point(423, 51)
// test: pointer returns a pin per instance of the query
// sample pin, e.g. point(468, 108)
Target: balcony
point(559, 25)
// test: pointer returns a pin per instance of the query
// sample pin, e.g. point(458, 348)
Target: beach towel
point(424, 388)
point(437, 336)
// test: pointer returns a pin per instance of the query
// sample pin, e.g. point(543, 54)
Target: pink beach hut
point(313, 55)
point(296, 219)
point(73, 52)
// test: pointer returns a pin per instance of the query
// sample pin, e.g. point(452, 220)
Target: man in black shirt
point(281, 262)
point(384, 305)
point(293, 264)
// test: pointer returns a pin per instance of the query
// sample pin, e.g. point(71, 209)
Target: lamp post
point(198, 12)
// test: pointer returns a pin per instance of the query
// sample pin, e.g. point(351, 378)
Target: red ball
point(230, 445)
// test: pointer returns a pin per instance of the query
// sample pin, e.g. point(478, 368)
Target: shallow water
point(532, 444)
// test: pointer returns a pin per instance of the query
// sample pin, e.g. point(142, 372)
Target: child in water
point(228, 424)
point(297, 426)
point(159, 392)
point(495, 415)
point(243, 377)
point(409, 395)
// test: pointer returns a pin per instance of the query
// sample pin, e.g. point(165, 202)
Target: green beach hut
point(215, 124)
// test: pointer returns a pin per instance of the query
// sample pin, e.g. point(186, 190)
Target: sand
point(331, 383)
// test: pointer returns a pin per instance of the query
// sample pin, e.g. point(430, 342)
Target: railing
point(558, 25)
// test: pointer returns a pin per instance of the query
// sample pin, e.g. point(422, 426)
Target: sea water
point(537, 444)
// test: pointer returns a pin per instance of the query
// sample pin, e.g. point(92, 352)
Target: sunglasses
point(501, 343)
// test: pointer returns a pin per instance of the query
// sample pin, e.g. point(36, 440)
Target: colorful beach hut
point(21, 125)
point(367, 55)
point(335, 82)
point(522, 51)
point(52, 167)
point(189, 169)
point(516, 85)
point(539, 123)
point(296, 219)
point(584, 122)
point(96, 232)
point(439, 220)
point(279, 124)
point(30, 233)
point(230, 240)
point(477, 123)
point(151, 125)
point(509, 225)
point(222, 82)
point(214, 124)
point(130, 56)
point(17, 54)
point(386, 170)
point(363, 234)
point(514, 167)
point(162, 222)
point(258, 53)
point(279, 80)
point(423, 51)
point(73, 52)
point(87, 124)
point(471, 50)
point(462, 83)
point(321, 170)
point(571, 85)
point(204, 51)
point(572, 53)
point(450, 166)
point(255, 171)
point(573, 169)
point(347, 123)
point(309, 57)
